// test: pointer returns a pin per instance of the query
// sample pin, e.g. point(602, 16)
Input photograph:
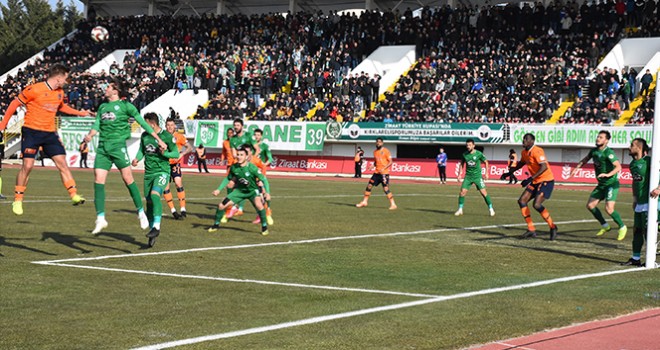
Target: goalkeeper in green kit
point(112, 125)
point(156, 171)
point(248, 183)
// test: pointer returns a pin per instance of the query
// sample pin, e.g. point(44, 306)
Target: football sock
point(168, 198)
point(638, 242)
point(0, 185)
point(157, 222)
point(528, 218)
point(262, 216)
point(150, 211)
point(135, 195)
point(598, 215)
point(218, 216)
point(545, 214)
point(461, 201)
point(70, 186)
point(390, 196)
point(99, 198)
point(181, 194)
point(488, 201)
point(367, 194)
point(617, 218)
point(19, 191)
point(157, 206)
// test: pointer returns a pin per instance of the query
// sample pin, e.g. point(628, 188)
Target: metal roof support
point(220, 7)
point(293, 6)
point(150, 8)
point(369, 4)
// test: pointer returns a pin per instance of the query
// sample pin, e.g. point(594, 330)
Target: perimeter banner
point(285, 136)
point(421, 132)
point(579, 134)
point(408, 167)
point(72, 131)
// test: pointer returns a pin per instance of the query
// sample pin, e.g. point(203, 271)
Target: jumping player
point(42, 101)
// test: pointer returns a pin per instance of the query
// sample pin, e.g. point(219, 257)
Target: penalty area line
point(326, 318)
point(304, 241)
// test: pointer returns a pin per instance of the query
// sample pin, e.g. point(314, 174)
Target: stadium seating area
point(496, 64)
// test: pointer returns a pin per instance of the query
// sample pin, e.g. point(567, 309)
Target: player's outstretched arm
point(64, 108)
point(579, 165)
point(10, 113)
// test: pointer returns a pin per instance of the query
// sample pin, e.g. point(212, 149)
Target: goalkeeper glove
point(526, 182)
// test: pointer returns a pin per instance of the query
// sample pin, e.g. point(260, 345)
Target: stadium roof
point(200, 7)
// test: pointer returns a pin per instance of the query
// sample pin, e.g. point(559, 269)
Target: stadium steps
point(381, 97)
point(559, 112)
point(627, 114)
point(312, 111)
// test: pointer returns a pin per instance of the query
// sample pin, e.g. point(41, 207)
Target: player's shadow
point(75, 242)
point(4, 242)
point(124, 237)
point(343, 204)
point(222, 228)
point(434, 211)
point(547, 249)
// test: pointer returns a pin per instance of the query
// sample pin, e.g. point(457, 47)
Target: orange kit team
point(381, 168)
point(42, 101)
point(175, 171)
point(538, 186)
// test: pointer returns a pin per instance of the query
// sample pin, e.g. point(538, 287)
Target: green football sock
point(488, 201)
point(262, 216)
point(617, 218)
point(461, 201)
point(638, 241)
point(135, 195)
point(218, 215)
point(150, 211)
point(598, 215)
point(99, 199)
point(157, 206)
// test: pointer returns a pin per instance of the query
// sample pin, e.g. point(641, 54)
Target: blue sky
point(78, 4)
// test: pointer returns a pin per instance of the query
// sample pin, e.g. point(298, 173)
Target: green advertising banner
point(419, 132)
point(287, 136)
point(73, 130)
point(579, 134)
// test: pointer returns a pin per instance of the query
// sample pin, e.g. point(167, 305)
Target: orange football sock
point(168, 198)
point(528, 218)
point(545, 214)
point(70, 186)
point(19, 191)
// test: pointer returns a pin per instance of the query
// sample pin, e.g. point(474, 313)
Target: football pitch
point(329, 275)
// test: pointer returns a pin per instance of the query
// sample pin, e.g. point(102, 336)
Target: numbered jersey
point(154, 160)
point(603, 164)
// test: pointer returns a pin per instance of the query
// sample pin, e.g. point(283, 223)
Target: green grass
point(57, 307)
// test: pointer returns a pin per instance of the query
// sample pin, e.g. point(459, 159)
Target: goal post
point(652, 224)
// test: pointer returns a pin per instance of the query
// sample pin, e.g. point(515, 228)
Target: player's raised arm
point(617, 169)
point(64, 108)
point(171, 151)
point(582, 162)
point(10, 113)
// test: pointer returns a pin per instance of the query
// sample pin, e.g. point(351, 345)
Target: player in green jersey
point(112, 125)
point(156, 170)
point(266, 158)
point(640, 169)
point(241, 137)
point(607, 168)
point(471, 161)
point(245, 178)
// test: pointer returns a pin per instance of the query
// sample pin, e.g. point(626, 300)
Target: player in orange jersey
point(175, 171)
point(381, 168)
point(226, 149)
point(42, 101)
point(538, 186)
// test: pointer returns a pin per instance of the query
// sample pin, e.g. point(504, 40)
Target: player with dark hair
point(175, 171)
point(471, 161)
point(248, 183)
point(538, 186)
point(381, 168)
point(42, 101)
point(112, 125)
point(241, 137)
point(607, 168)
point(156, 170)
point(640, 169)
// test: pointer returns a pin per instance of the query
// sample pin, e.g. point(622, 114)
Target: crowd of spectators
point(489, 64)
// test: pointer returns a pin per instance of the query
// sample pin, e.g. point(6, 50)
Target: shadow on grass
point(124, 237)
point(75, 242)
point(4, 242)
point(434, 211)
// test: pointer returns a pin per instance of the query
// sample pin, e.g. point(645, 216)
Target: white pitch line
point(238, 280)
point(305, 241)
point(319, 319)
